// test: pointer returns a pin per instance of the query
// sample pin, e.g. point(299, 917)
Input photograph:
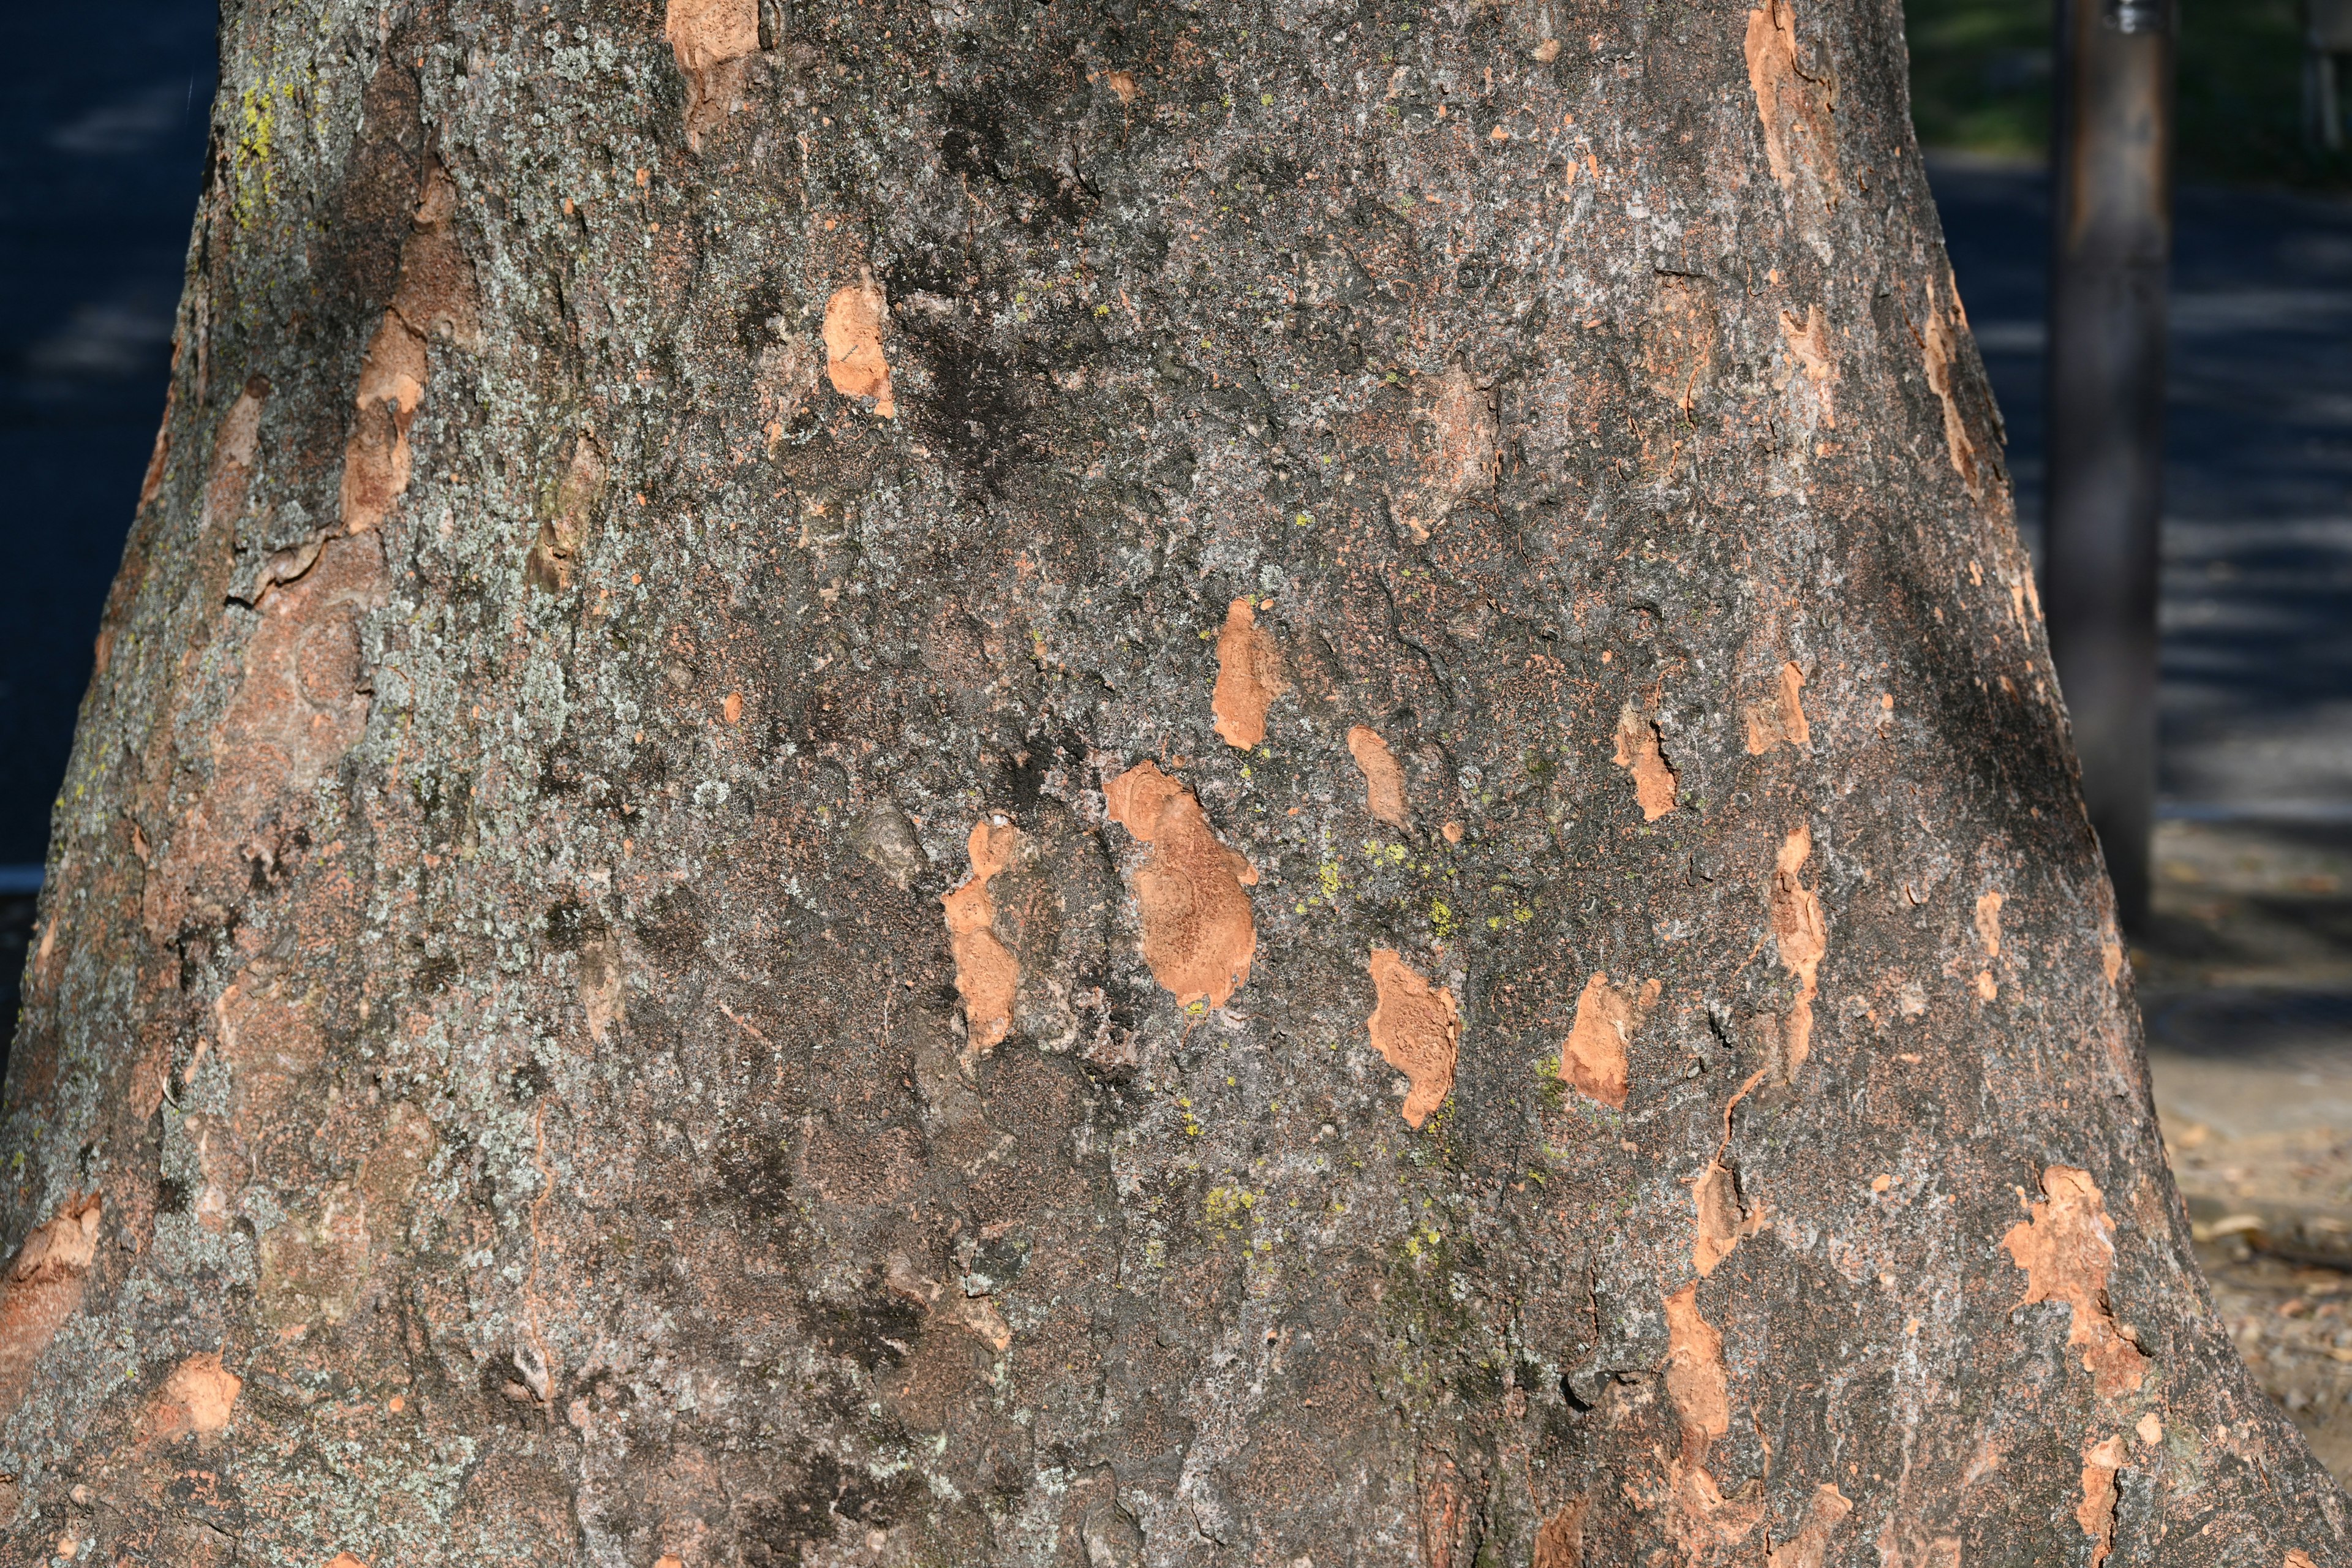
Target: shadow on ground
point(2245, 981)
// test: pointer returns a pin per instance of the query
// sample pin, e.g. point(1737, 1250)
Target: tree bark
point(1097, 784)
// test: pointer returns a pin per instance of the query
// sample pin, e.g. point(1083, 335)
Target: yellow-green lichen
point(1229, 1207)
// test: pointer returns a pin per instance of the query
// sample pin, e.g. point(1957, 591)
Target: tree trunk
point(1096, 785)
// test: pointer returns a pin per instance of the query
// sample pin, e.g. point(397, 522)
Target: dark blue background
point(103, 133)
point(102, 155)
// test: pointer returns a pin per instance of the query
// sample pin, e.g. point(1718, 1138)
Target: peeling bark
point(987, 975)
point(527, 1059)
point(1417, 1029)
point(1383, 779)
point(1639, 754)
point(1249, 677)
point(1594, 1056)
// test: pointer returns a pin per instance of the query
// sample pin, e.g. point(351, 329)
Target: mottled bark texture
point(663, 948)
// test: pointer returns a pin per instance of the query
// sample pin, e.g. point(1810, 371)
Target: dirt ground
point(2246, 981)
point(2291, 1326)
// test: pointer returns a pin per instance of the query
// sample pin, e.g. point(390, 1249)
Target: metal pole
point(2111, 231)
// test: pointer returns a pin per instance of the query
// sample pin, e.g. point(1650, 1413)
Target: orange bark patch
point(1415, 1027)
point(1816, 354)
point(1695, 1380)
point(1592, 1059)
point(1444, 1511)
point(1199, 936)
point(231, 473)
point(987, 974)
point(1807, 1547)
point(853, 345)
point(1458, 441)
point(1801, 934)
point(1123, 84)
point(41, 1289)
point(1249, 677)
point(1780, 719)
point(555, 557)
point(1703, 1521)
point(435, 297)
point(199, 1398)
point(705, 33)
point(1796, 109)
point(1723, 1220)
point(1939, 347)
point(304, 700)
point(62, 1249)
point(709, 39)
point(1639, 752)
point(376, 456)
point(1383, 779)
point(2097, 1512)
point(1560, 1542)
point(1989, 923)
point(2067, 1247)
point(978, 1316)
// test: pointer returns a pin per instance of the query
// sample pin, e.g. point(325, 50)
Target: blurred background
point(101, 152)
point(2245, 968)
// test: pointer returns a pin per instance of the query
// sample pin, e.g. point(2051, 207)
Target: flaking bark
point(658, 498)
